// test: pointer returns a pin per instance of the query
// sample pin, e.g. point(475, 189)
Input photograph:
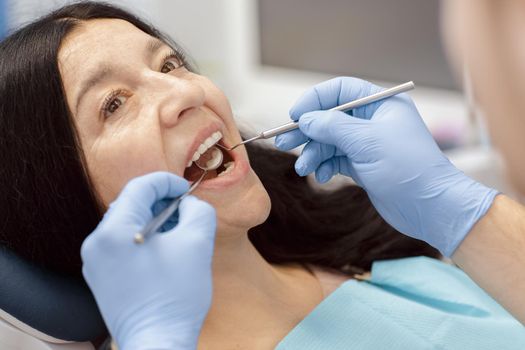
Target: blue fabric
point(412, 303)
point(3, 18)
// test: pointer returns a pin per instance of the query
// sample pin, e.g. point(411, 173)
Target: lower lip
point(239, 172)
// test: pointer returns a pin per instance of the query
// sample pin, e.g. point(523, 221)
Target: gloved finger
point(313, 154)
point(325, 171)
point(346, 168)
point(336, 165)
point(197, 223)
point(291, 139)
point(335, 92)
point(134, 204)
point(349, 134)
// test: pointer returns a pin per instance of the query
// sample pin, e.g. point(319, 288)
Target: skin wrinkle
point(318, 98)
point(340, 92)
point(94, 79)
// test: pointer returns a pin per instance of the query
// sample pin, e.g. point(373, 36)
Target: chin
point(240, 211)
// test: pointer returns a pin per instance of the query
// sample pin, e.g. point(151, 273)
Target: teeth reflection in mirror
point(216, 159)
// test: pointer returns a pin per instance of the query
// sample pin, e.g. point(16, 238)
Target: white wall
point(199, 26)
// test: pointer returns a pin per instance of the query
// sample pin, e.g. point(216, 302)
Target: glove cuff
point(164, 340)
point(459, 208)
point(156, 328)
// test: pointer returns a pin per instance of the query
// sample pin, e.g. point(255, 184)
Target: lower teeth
point(229, 167)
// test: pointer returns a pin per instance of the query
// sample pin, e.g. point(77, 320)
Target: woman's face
point(137, 110)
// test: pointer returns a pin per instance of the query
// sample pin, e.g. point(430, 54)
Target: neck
point(251, 293)
point(239, 270)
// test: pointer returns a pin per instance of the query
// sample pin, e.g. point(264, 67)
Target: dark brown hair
point(48, 206)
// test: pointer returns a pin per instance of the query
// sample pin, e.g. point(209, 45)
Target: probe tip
point(139, 238)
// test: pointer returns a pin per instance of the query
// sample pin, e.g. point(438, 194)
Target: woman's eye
point(113, 103)
point(170, 65)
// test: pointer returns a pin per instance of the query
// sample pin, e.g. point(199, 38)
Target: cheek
point(113, 162)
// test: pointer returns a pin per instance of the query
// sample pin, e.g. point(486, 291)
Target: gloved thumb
point(336, 128)
point(135, 202)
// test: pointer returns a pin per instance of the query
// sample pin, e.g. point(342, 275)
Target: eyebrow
point(105, 71)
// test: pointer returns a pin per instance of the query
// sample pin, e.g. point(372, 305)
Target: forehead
point(100, 40)
point(106, 33)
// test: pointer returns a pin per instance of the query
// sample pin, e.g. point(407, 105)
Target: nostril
point(184, 111)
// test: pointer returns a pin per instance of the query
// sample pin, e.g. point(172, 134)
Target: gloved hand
point(154, 295)
point(387, 149)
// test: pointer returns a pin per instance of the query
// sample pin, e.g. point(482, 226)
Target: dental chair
point(43, 310)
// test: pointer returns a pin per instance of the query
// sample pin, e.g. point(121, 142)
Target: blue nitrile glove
point(154, 295)
point(387, 149)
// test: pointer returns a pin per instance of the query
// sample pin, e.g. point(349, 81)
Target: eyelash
point(174, 55)
point(111, 97)
point(109, 100)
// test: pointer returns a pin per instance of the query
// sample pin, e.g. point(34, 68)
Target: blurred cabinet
point(377, 39)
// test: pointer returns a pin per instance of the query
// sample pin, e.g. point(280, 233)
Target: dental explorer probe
point(343, 108)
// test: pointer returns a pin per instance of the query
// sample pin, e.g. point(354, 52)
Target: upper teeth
point(210, 141)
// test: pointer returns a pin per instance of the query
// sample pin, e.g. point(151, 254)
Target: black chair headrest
point(59, 306)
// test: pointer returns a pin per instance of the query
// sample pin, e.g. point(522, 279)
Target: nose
point(172, 94)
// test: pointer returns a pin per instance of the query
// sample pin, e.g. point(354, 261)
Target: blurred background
point(265, 53)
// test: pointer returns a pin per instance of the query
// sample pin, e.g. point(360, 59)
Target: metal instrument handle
point(159, 220)
point(344, 107)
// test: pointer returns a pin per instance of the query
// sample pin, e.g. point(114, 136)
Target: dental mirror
point(210, 160)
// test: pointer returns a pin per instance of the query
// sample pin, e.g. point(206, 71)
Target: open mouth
point(206, 153)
